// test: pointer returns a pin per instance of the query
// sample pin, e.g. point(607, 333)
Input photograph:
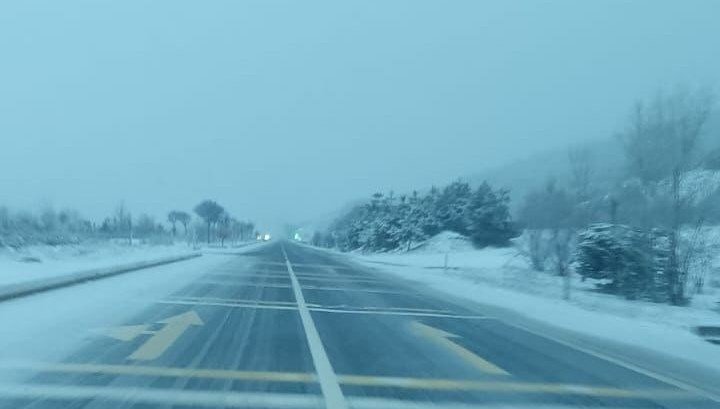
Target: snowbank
point(41, 262)
point(445, 242)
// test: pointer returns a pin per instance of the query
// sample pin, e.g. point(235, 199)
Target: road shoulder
point(693, 369)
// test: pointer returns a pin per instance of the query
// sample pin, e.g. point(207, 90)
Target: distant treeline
point(388, 222)
point(61, 227)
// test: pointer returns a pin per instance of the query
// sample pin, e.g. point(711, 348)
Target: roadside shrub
point(627, 261)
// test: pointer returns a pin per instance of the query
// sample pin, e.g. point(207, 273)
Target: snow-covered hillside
point(522, 176)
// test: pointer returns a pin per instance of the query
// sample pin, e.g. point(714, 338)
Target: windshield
point(359, 204)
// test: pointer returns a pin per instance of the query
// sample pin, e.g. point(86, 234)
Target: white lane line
point(305, 287)
point(361, 290)
point(310, 307)
point(229, 300)
point(276, 275)
point(329, 385)
point(347, 307)
point(227, 304)
point(330, 266)
point(302, 277)
point(246, 275)
point(343, 280)
point(321, 275)
point(241, 284)
point(403, 313)
point(711, 395)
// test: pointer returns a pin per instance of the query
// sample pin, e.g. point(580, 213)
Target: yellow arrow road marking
point(443, 338)
point(125, 333)
point(162, 339)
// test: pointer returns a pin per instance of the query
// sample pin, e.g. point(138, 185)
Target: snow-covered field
point(38, 262)
point(501, 277)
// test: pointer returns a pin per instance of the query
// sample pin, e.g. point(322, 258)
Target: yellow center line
point(143, 370)
point(428, 384)
point(507, 387)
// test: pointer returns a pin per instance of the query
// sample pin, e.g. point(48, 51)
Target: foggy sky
point(286, 110)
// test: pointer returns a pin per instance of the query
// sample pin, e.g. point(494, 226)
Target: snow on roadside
point(446, 241)
point(500, 277)
point(49, 326)
point(37, 262)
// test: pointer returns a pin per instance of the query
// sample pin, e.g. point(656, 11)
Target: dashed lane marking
point(302, 265)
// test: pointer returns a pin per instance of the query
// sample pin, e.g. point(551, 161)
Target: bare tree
point(184, 219)
point(123, 222)
point(581, 169)
point(660, 143)
point(224, 228)
point(178, 216)
point(548, 214)
point(145, 226)
point(172, 218)
point(236, 230)
point(210, 212)
point(695, 257)
point(663, 135)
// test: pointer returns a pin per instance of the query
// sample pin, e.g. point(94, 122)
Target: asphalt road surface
point(302, 328)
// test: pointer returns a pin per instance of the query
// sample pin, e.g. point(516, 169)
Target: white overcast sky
point(285, 110)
